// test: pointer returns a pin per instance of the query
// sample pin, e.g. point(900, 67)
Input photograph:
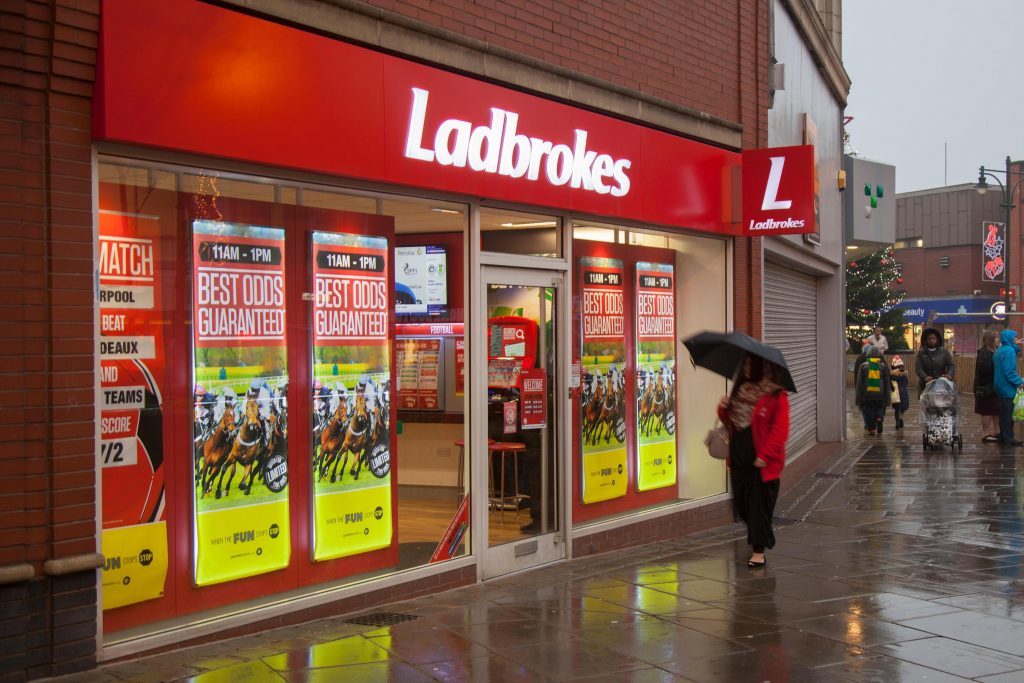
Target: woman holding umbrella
point(757, 413)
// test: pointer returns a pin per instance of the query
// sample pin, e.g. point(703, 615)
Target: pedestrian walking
point(1006, 380)
point(933, 360)
point(873, 390)
point(757, 413)
point(859, 361)
point(878, 340)
point(986, 403)
point(901, 379)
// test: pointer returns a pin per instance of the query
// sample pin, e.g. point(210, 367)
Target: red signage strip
point(249, 89)
point(429, 329)
point(778, 191)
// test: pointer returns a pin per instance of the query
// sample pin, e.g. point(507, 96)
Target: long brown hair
point(988, 340)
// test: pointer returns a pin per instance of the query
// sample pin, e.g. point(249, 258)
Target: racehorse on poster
point(611, 407)
point(249, 446)
point(216, 451)
point(592, 401)
point(655, 404)
point(358, 436)
point(332, 438)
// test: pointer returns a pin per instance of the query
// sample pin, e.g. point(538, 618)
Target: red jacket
point(770, 426)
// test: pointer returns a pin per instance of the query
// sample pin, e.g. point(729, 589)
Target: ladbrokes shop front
point(369, 329)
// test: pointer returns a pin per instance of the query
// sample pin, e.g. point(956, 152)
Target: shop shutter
point(791, 324)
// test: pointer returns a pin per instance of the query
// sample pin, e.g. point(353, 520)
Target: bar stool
point(461, 493)
point(504, 448)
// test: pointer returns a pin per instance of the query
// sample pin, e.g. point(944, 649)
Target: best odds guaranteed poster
point(603, 395)
point(241, 408)
point(131, 417)
point(352, 395)
point(655, 376)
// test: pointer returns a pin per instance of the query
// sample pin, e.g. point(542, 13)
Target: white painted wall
point(807, 91)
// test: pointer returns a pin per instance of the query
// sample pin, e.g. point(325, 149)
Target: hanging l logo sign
point(771, 190)
point(778, 191)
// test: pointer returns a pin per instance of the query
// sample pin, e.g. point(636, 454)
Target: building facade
point(940, 243)
point(804, 310)
point(322, 305)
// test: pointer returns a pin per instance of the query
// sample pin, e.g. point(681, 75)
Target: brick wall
point(923, 276)
point(710, 56)
point(661, 528)
point(47, 474)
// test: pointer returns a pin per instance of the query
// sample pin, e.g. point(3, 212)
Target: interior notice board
point(420, 374)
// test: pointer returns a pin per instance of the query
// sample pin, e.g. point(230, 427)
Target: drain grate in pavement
point(381, 619)
point(785, 521)
point(830, 475)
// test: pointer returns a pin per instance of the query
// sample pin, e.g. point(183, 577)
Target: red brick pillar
point(48, 474)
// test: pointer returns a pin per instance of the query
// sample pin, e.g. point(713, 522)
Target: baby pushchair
point(940, 406)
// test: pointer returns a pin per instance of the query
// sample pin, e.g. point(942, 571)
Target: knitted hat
point(897, 362)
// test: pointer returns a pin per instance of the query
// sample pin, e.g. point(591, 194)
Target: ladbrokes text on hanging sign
point(778, 191)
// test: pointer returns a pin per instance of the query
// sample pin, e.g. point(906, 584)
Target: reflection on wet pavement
point(900, 565)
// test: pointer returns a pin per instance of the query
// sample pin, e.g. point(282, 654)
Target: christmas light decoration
point(871, 294)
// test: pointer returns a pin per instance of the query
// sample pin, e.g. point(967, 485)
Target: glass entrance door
point(519, 446)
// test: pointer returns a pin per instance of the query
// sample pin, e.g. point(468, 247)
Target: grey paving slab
point(886, 669)
point(903, 565)
point(953, 656)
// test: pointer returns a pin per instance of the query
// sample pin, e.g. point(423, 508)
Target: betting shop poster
point(655, 376)
point(351, 395)
point(131, 448)
point(603, 395)
point(240, 365)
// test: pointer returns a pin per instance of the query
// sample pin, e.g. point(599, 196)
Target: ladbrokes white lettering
point(500, 148)
point(772, 224)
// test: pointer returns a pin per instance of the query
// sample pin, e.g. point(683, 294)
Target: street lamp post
point(1007, 191)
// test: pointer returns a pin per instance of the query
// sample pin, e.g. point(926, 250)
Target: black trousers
point(754, 500)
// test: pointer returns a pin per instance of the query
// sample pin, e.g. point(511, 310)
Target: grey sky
point(928, 72)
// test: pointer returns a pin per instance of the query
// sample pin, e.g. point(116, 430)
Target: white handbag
point(717, 442)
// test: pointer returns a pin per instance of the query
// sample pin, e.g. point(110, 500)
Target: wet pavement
point(892, 564)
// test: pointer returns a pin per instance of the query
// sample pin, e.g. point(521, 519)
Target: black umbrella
point(723, 353)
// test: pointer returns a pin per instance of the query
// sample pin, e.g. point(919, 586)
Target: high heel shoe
point(757, 565)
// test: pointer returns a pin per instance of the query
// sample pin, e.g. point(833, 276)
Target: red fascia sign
point(778, 191)
point(236, 86)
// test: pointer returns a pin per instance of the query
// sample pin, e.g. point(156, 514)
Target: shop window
point(636, 293)
point(242, 319)
point(515, 232)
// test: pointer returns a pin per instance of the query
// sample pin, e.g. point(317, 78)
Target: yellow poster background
point(604, 475)
point(136, 564)
point(352, 522)
point(242, 541)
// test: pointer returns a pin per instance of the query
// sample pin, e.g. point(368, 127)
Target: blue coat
point(1004, 360)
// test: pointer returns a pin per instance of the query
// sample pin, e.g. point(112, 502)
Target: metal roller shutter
point(791, 324)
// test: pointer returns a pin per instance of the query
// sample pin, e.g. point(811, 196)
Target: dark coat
point(984, 369)
point(861, 395)
point(902, 380)
point(934, 363)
